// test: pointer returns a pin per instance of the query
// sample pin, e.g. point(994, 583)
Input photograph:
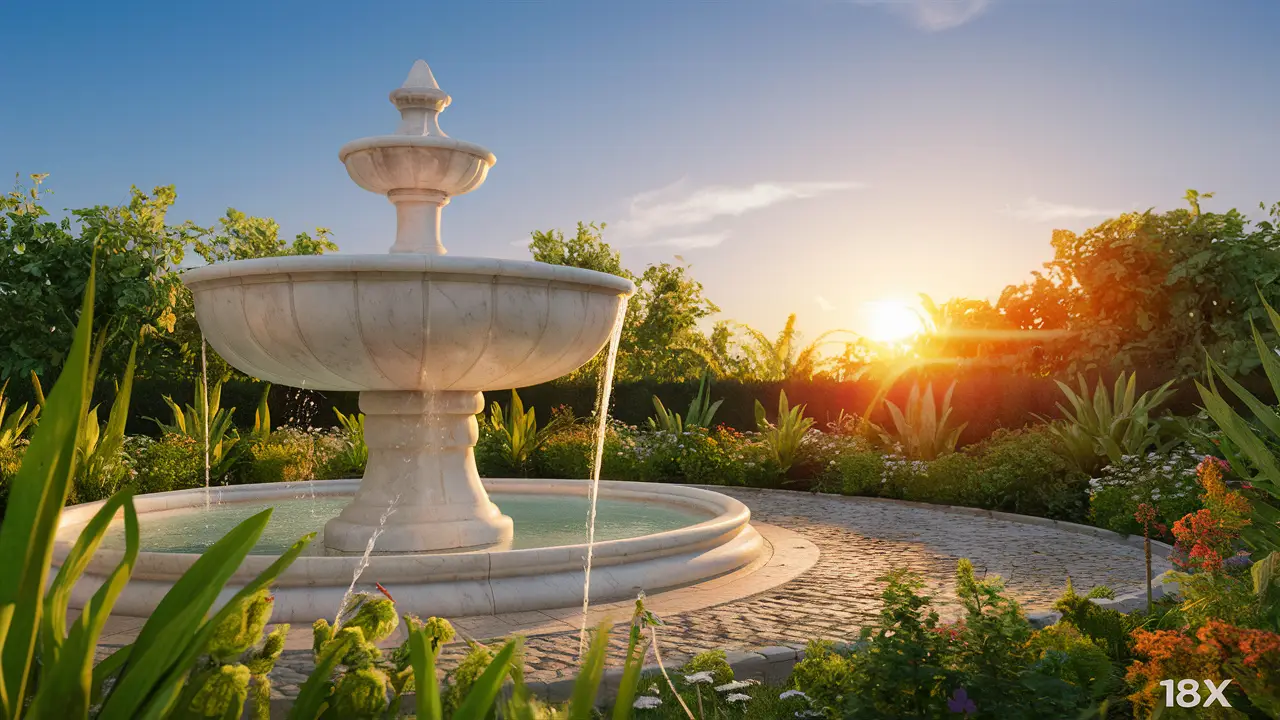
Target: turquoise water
point(540, 521)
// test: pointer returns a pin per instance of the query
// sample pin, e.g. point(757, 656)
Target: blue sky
point(807, 156)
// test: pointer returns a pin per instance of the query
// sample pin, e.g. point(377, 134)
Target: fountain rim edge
point(422, 263)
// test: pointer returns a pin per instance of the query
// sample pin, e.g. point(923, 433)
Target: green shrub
point(174, 462)
point(287, 455)
point(1167, 482)
point(824, 674)
point(337, 454)
point(712, 661)
point(859, 472)
point(948, 480)
point(1019, 471)
point(1110, 628)
point(10, 461)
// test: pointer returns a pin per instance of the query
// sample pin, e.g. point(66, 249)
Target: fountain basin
point(454, 584)
point(405, 322)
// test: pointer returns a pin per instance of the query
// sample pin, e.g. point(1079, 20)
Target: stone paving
point(859, 541)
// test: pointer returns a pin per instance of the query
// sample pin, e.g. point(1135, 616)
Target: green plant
point(783, 439)
point(357, 452)
point(99, 469)
point(1020, 471)
point(1255, 458)
point(262, 416)
point(700, 415)
point(143, 679)
point(1102, 426)
point(173, 462)
point(14, 425)
point(712, 661)
point(519, 433)
point(286, 455)
point(924, 431)
point(206, 415)
point(1167, 482)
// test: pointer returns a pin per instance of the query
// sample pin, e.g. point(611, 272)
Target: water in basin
point(540, 521)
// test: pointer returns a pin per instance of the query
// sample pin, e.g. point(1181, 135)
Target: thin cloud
point(672, 216)
point(1035, 210)
point(692, 242)
point(824, 303)
point(934, 15)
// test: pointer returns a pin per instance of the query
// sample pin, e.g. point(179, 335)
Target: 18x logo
point(1188, 694)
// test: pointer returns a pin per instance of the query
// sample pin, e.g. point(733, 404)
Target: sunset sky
point(808, 156)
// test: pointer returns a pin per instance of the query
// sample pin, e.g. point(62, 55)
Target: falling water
point(204, 378)
point(364, 559)
point(602, 420)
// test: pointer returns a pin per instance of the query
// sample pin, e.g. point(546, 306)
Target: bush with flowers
point(1226, 626)
point(1166, 482)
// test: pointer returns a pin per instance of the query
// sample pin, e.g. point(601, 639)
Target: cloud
point(824, 303)
point(934, 15)
point(673, 216)
point(1036, 210)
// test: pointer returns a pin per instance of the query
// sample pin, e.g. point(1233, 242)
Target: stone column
point(421, 452)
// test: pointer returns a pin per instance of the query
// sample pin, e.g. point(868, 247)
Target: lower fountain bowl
point(650, 537)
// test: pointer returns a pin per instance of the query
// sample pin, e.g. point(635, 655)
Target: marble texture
point(451, 584)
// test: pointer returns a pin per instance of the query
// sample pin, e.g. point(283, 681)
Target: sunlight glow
point(891, 321)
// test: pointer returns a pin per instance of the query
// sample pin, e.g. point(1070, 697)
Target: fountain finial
point(420, 100)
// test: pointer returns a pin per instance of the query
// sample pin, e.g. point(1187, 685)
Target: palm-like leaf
point(924, 430)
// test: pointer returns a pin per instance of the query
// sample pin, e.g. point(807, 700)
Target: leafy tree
point(1154, 290)
point(44, 266)
point(660, 328)
point(242, 237)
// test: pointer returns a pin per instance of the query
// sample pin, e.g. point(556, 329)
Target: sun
point(891, 321)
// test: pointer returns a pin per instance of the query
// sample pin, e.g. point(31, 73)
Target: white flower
point(703, 677)
point(735, 685)
point(737, 697)
point(646, 702)
point(792, 693)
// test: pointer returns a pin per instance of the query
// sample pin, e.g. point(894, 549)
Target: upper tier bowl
point(405, 321)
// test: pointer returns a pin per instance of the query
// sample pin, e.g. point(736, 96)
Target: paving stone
point(860, 540)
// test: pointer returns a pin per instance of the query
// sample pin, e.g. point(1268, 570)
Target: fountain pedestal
point(421, 459)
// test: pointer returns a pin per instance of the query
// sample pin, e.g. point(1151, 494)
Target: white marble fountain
point(420, 334)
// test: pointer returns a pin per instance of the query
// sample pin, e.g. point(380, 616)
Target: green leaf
point(37, 493)
point(73, 566)
point(170, 630)
point(167, 693)
point(426, 685)
point(484, 691)
point(66, 684)
point(583, 700)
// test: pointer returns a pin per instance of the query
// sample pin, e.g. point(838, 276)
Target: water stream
point(204, 380)
point(364, 559)
point(605, 389)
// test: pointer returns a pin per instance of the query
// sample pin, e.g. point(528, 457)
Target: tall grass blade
point(37, 494)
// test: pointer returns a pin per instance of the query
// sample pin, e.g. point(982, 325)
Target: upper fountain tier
point(416, 319)
point(419, 167)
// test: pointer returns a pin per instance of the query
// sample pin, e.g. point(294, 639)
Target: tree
point(242, 237)
point(44, 266)
point(1154, 290)
point(660, 327)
